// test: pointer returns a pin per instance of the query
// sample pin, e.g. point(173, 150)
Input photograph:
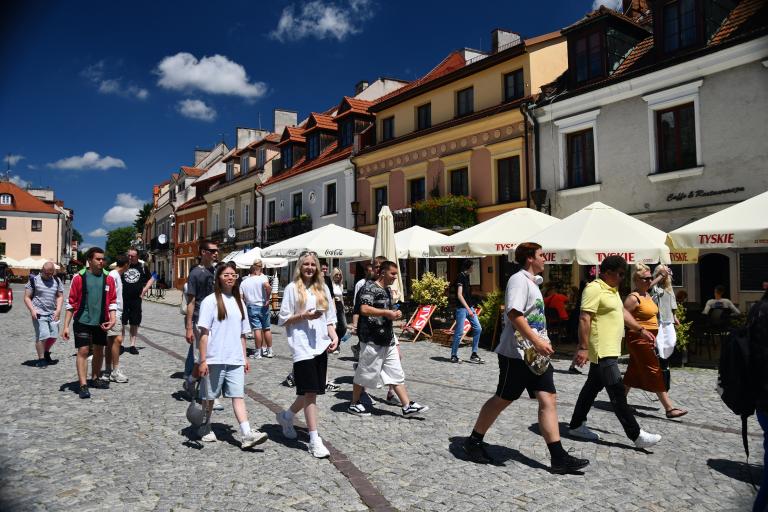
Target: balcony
point(155, 246)
point(279, 231)
point(439, 214)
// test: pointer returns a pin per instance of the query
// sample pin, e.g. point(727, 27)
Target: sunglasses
point(648, 279)
point(307, 253)
point(211, 250)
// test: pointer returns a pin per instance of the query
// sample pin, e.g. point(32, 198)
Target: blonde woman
point(664, 297)
point(644, 371)
point(309, 317)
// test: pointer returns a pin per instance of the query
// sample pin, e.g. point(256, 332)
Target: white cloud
point(105, 85)
point(31, 166)
point(322, 19)
point(12, 160)
point(196, 109)
point(616, 5)
point(18, 181)
point(89, 160)
point(125, 210)
point(98, 233)
point(84, 247)
point(214, 75)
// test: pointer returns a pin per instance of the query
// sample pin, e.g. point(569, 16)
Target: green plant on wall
point(446, 212)
point(683, 329)
point(490, 313)
point(430, 289)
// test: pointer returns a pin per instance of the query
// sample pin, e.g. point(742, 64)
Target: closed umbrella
point(384, 245)
point(330, 241)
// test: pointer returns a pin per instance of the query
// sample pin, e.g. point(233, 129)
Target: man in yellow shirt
point(601, 328)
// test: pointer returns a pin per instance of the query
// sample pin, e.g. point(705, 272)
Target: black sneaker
point(133, 350)
point(474, 358)
point(49, 359)
point(358, 409)
point(455, 359)
point(414, 408)
point(476, 452)
point(289, 381)
point(84, 393)
point(100, 383)
point(568, 464)
point(574, 370)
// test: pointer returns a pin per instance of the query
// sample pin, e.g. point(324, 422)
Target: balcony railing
point(284, 230)
point(438, 217)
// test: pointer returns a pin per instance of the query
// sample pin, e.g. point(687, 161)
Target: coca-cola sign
point(334, 252)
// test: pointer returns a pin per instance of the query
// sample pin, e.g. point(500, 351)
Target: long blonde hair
point(640, 269)
point(666, 282)
point(317, 285)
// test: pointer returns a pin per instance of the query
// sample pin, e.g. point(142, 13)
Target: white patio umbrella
point(232, 255)
point(596, 231)
point(414, 242)
point(495, 236)
point(742, 225)
point(31, 263)
point(385, 245)
point(330, 241)
point(246, 258)
point(9, 261)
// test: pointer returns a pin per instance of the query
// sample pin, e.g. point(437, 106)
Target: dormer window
point(679, 25)
point(589, 57)
point(286, 156)
point(313, 146)
point(261, 158)
point(6, 199)
point(230, 170)
point(244, 164)
point(347, 132)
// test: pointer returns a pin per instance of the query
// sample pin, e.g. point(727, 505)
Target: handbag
point(195, 414)
point(535, 362)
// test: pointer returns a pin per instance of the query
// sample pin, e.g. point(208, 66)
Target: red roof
point(738, 16)
point(455, 60)
point(23, 201)
point(293, 134)
point(328, 156)
point(192, 171)
point(191, 203)
point(597, 14)
point(354, 106)
point(320, 122)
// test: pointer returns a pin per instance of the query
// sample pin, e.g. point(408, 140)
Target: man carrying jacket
point(93, 304)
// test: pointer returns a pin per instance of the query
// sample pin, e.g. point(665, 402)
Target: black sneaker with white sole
point(455, 359)
point(358, 409)
point(413, 408)
point(568, 464)
point(474, 358)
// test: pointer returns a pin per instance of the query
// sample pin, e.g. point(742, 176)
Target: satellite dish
point(231, 232)
point(162, 238)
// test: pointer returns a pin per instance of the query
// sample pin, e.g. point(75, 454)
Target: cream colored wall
point(547, 62)
point(18, 236)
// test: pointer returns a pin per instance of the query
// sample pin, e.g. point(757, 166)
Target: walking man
point(199, 286)
point(136, 282)
point(601, 328)
point(117, 331)
point(44, 296)
point(257, 292)
point(465, 310)
point(93, 304)
point(379, 360)
point(524, 315)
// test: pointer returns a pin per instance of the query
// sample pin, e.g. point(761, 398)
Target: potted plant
point(430, 290)
point(491, 308)
point(683, 333)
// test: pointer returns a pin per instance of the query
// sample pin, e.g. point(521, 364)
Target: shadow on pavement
point(176, 375)
point(73, 386)
point(441, 359)
point(500, 454)
point(180, 396)
point(30, 362)
point(564, 428)
point(748, 473)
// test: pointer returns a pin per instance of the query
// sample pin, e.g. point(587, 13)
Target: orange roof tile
point(355, 106)
point(194, 172)
point(191, 203)
point(23, 201)
point(738, 16)
point(320, 122)
point(328, 156)
point(293, 134)
point(455, 60)
point(635, 54)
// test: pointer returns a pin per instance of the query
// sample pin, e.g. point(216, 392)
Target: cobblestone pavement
point(129, 447)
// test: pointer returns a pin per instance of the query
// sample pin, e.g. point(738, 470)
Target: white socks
point(245, 427)
point(313, 437)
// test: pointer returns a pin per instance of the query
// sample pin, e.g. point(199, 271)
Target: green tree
point(119, 241)
point(76, 236)
point(141, 218)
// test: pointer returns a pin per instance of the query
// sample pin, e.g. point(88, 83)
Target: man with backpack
point(757, 322)
point(44, 296)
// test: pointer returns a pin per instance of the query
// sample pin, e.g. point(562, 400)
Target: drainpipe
point(525, 110)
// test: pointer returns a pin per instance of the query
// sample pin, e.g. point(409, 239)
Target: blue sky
point(101, 100)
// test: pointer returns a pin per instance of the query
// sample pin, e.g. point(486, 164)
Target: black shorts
point(514, 377)
point(132, 312)
point(309, 375)
point(86, 335)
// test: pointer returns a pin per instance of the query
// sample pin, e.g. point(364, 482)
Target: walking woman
point(664, 297)
point(223, 325)
point(644, 371)
point(309, 317)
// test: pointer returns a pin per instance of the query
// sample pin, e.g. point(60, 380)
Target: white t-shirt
point(306, 338)
point(252, 289)
point(720, 304)
point(338, 291)
point(524, 296)
point(118, 288)
point(224, 343)
point(358, 285)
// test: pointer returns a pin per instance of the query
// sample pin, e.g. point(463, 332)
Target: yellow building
point(459, 131)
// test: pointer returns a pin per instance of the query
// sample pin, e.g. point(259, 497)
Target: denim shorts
point(226, 379)
point(258, 316)
point(45, 328)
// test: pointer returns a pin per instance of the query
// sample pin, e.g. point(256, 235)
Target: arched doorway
point(714, 269)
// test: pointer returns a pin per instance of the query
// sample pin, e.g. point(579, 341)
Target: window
point(679, 25)
point(460, 182)
point(246, 220)
point(618, 46)
point(581, 159)
point(589, 57)
point(465, 102)
point(676, 137)
point(388, 128)
point(296, 200)
point(182, 266)
point(424, 116)
point(182, 233)
point(330, 198)
point(244, 167)
point(37, 225)
point(230, 170)
point(216, 221)
point(191, 231)
point(286, 155)
point(3, 222)
point(230, 217)
point(752, 271)
point(380, 198)
point(35, 249)
point(271, 212)
point(514, 86)
point(200, 228)
point(2, 248)
point(347, 132)
point(313, 145)
point(261, 158)
point(6, 199)
point(508, 175)
point(715, 11)
point(416, 189)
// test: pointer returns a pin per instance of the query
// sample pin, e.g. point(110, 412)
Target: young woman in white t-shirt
point(223, 325)
point(309, 317)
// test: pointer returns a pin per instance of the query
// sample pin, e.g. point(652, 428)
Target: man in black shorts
point(524, 315)
point(93, 304)
point(136, 281)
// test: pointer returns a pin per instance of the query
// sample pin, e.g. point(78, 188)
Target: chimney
point(200, 155)
point(285, 118)
point(360, 86)
point(503, 39)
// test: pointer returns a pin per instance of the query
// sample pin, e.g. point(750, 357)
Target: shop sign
point(703, 193)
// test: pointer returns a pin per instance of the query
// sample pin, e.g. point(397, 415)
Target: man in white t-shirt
point(720, 302)
point(257, 292)
point(524, 314)
point(117, 331)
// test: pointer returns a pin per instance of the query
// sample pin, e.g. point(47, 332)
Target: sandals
point(676, 413)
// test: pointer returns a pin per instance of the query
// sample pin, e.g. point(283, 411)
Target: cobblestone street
point(130, 448)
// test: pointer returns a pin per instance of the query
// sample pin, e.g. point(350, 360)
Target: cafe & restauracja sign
point(703, 193)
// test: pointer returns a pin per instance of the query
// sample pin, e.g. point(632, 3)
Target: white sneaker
point(117, 375)
point(257, 354)
point(252, 438)
point(288, 431)
point(268, 353)
point(206, 434)
point(318, 449)
point(414, 408)
point(217, 406)
point(646, 440)
point(584, 433)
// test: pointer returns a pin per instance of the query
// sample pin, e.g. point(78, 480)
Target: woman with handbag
point(223, 325)
point(644, 371)
point(664, 297)
point(309, 317)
